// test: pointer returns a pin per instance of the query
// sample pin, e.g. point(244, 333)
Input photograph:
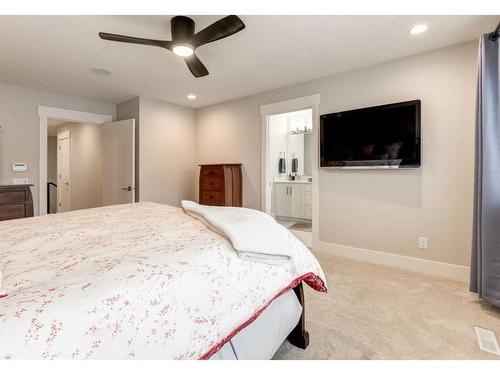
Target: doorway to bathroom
point(291, 168)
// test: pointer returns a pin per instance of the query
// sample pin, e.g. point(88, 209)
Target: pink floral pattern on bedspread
point(142, 281)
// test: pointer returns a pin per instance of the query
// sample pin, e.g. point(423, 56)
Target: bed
point(143, 281)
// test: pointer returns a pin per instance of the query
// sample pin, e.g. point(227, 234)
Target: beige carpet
point(377, 312)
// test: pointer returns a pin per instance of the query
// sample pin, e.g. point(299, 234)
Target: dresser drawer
point(12, 211)
point(212, 183)
point(12, 196)
point(212, 198)
point(212, 172)
point(15, 202)
point(220, 185)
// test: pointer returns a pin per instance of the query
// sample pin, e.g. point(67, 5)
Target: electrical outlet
point(423, 242)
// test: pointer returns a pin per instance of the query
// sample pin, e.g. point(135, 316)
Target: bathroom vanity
point(292, 199)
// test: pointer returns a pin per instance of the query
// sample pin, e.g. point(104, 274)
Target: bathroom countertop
point(292, 182)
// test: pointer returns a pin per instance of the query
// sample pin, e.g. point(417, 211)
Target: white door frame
point(297, 104)
point(44, 113)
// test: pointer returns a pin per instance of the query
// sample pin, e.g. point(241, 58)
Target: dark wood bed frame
point(299, 337)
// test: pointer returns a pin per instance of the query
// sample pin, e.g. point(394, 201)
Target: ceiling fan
point(185, 41)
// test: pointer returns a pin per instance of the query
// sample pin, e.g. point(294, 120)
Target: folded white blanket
point(255, 235)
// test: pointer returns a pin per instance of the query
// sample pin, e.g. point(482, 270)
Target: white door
point(118, 159)
point(63, 171)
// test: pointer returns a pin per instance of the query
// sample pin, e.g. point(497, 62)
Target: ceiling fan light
point(183, 50)
point(418, 29)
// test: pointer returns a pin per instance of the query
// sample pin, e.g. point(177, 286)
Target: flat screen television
point(385, 136)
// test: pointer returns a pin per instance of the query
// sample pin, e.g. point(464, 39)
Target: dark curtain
point(485, 262)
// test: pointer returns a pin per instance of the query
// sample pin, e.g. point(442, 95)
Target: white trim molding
point(44, 113)
point(429, 267)
point(70, 116)
point(291, 105)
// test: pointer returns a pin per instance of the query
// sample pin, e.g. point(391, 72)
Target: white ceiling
point(55, 53)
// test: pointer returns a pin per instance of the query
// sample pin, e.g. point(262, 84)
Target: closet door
point(63, 171)
point(118, 153)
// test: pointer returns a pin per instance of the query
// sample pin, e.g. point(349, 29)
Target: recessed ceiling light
point(100, 72)
point(192, 96)
point(418, 29)
point(183, 50)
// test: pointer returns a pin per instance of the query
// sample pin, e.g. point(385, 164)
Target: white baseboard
point(428, 267)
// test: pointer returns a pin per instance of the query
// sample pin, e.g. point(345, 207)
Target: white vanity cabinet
point(292, 199)
point(281, 199)
point(308, 201)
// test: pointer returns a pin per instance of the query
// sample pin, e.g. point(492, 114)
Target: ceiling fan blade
point(196, 66)
point(220, 29)
point(130, 39)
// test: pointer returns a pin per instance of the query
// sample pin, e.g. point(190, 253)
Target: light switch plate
point(20, 181)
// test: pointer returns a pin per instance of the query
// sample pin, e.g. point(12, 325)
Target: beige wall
point(167, 155)
point(385, 210)
point(19, 127)
point(85, 164)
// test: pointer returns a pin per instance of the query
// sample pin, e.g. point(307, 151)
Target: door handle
point(128, 188)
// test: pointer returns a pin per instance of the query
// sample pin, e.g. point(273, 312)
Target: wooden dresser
point(221, 185)
point(15, 202)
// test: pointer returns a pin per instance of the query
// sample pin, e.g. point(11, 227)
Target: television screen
point(386, 136)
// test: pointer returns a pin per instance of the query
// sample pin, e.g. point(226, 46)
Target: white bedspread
point(132, 281)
